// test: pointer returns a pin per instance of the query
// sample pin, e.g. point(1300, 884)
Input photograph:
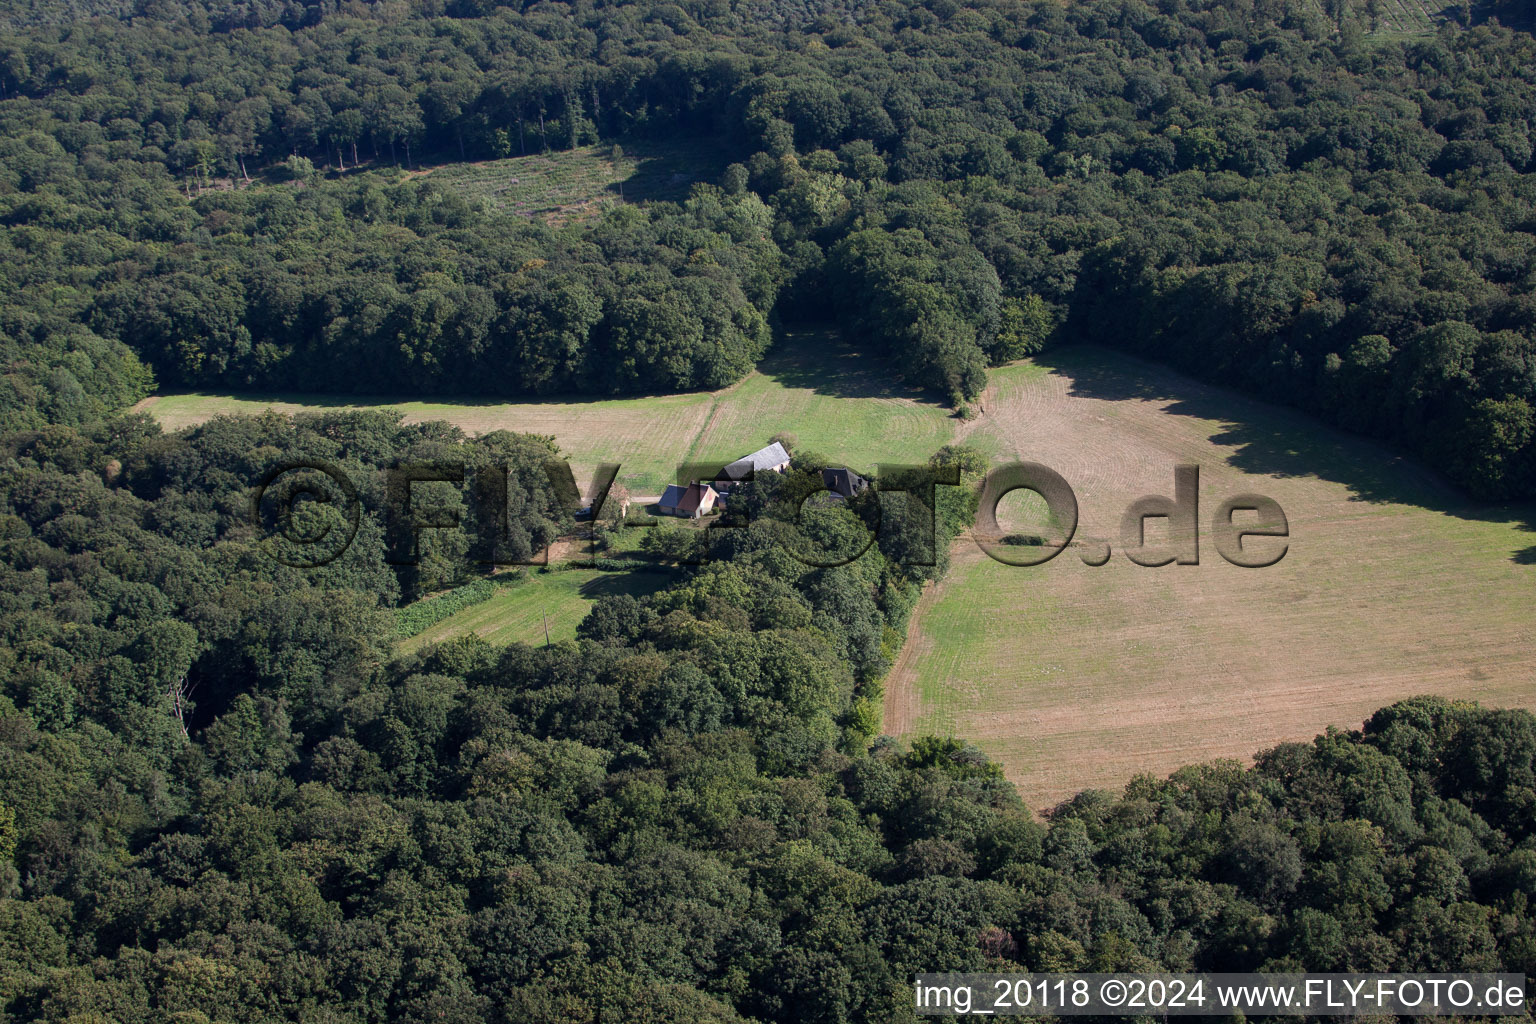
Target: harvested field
point(1075, 676)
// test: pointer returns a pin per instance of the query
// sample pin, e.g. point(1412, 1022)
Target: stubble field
point(1074, 676)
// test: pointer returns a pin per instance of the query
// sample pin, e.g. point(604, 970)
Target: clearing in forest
point(1074, 676)
point(833, 400)
point(569, 184)
point(519, 613)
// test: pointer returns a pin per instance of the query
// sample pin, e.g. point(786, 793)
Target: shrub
point(419, 615)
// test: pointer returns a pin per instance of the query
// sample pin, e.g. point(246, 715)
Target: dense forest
point(684, 815)
point(1268, 195)
point(226, 795)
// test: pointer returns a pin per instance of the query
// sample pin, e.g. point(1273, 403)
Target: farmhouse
point(770, 459)
point(844, 483)
point(691, 502)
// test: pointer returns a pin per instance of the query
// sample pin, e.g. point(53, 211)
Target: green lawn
point(626, 543)
point(833, 400)
point(517, 614)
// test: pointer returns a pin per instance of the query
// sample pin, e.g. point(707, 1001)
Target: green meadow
point(519, 613)
point(810, 385)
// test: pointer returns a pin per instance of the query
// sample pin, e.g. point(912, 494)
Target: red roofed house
point(697, 499)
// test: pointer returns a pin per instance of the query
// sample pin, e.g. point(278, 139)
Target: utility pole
point(546, 627)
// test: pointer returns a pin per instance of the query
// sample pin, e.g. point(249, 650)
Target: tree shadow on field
point(667, 169)
point(1276, 441)
point(817, 359)
point(636, 584)
point(332, 402)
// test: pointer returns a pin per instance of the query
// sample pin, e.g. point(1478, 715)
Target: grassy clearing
point(833, 401)
point(810, 385)
point(642, 434)
point(624, 544)
point(577, 183)
point(517, 613)
point(1076, 676)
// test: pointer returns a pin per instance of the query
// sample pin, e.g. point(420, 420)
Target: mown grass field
point(809, 385)
point(517, 613)
point(832, 400)
point(1075, 676)
point(641, 434)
